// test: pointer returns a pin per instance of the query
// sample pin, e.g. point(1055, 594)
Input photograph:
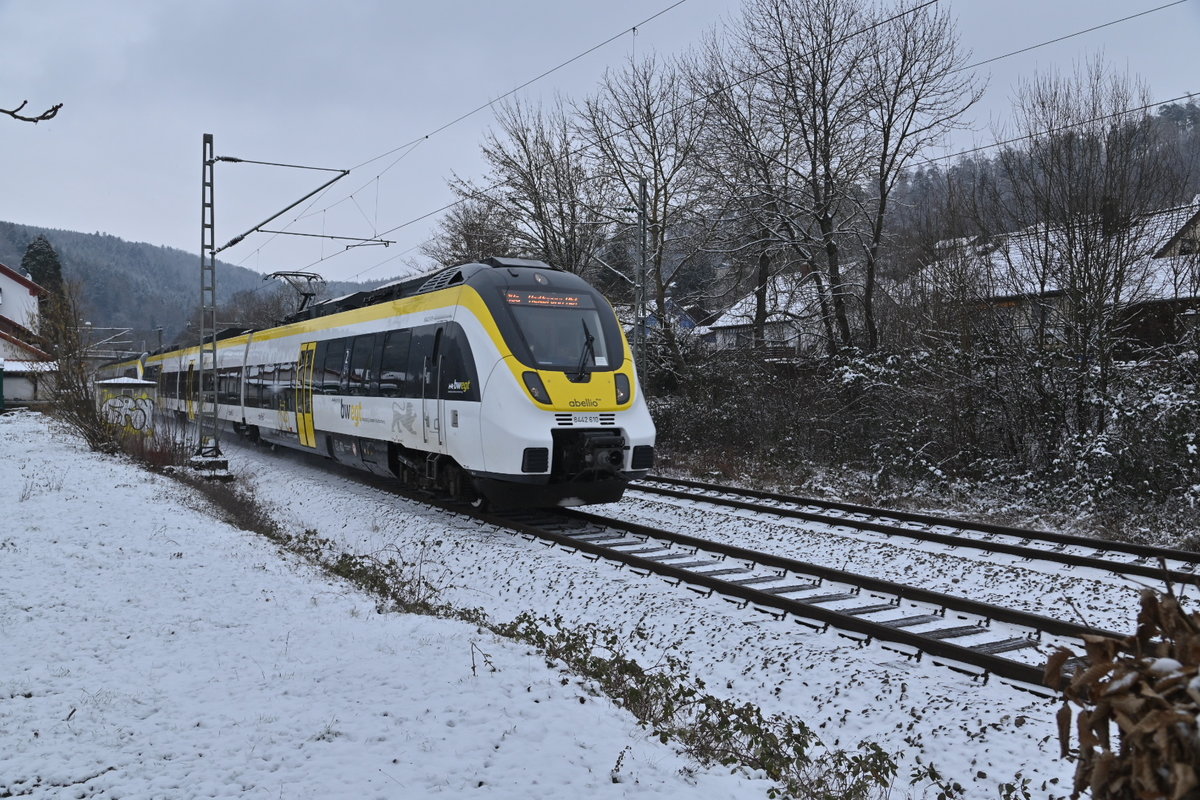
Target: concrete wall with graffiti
point(128, 404)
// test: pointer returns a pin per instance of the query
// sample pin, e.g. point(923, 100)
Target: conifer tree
point(42, 264)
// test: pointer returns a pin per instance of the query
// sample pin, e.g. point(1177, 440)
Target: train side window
point(359, 372)
point(285, 383)
point(458, 379)
point(253, 381)
point(227, 385)
point(267, 387)
point(331, 373)
point(393, 366)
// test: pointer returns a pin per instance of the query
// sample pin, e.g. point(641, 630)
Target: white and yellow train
point(507, 382)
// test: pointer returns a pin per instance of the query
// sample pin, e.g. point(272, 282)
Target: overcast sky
point(337, 84)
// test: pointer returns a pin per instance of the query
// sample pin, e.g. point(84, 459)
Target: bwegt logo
point(352, 412)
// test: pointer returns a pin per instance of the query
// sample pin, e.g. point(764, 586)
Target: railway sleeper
point(623, 545)
point(643, 552)
point(955, 633)
point(752, 581)
point(794, 587)
point(909, 622)
point(696, 565)
point(727, 571)
point(829, 598)
point(596, 538)
point(668, 557)
point(1004, 645)
point(856, 612)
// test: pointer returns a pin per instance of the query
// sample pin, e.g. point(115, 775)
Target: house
point(24, 366)
point(796, 318)
point(1025, 281)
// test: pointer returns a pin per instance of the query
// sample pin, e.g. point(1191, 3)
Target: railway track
point(970, 636)
point(967, 635)
point(1122, 558)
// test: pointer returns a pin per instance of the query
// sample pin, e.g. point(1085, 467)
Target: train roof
point(395, 290)
point(408, 287)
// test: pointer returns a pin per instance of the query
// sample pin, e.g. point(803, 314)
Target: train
point(505, 383)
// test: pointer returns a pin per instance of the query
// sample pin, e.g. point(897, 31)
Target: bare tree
point(644, 125)
point(917, 90)
point(540, 178)
point(16, 114)
point(823, 104)
point(73, 396)
point(473, 230)
point(1092, 178)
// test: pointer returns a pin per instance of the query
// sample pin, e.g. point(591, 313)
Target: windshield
point(557, 327)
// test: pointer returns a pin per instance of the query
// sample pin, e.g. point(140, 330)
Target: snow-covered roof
point(1021, 263)
point(789, 298)
point(125, 382)
point(15, 367)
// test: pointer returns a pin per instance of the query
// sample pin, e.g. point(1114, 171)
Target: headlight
point(536, 388)
point(622, 388)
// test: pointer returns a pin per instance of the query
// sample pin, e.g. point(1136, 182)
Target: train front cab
point(564, 423)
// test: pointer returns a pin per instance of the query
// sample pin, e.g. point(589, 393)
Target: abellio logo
point(589, 403)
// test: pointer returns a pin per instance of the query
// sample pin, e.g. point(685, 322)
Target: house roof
point(33, 288)
point(1006, 266)
point(36, 352)
point(789, 299)
point(22, 367)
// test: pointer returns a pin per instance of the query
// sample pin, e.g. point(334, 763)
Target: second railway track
point(1122, 558)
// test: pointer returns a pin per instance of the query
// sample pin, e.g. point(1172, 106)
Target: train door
point(431, 403)
point(304, 395)
point(190, 392)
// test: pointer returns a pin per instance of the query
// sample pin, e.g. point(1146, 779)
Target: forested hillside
point(134, 284)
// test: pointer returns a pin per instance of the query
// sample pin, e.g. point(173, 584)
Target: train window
point(253, 385)
point(558, 337)
point(268, 388)
point(393, 365)
point(228, 385)
point(458, 379)
point(333, 368)
point(359, 373)
point(285, 392)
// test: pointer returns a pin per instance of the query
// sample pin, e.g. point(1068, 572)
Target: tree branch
point(49, 113)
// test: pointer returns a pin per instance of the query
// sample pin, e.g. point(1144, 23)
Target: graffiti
point(123, 411)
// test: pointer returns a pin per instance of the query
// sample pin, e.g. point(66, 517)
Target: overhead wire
point(531, 81)
point(409, 146)
point(704, 97)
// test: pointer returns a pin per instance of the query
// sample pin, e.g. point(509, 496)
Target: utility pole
point(208, 444)
point(639, 288)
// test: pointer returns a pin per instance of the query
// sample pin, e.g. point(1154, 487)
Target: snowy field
point(149, 651)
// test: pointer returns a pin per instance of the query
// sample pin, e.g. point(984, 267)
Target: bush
point(1147, 687)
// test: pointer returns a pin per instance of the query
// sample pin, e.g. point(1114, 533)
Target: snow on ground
point(147, 650)
point(289, 683)
point(980, 735)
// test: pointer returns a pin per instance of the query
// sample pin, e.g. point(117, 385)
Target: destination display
point(515, 297)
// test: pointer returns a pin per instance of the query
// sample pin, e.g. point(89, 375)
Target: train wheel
point(460, 486)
